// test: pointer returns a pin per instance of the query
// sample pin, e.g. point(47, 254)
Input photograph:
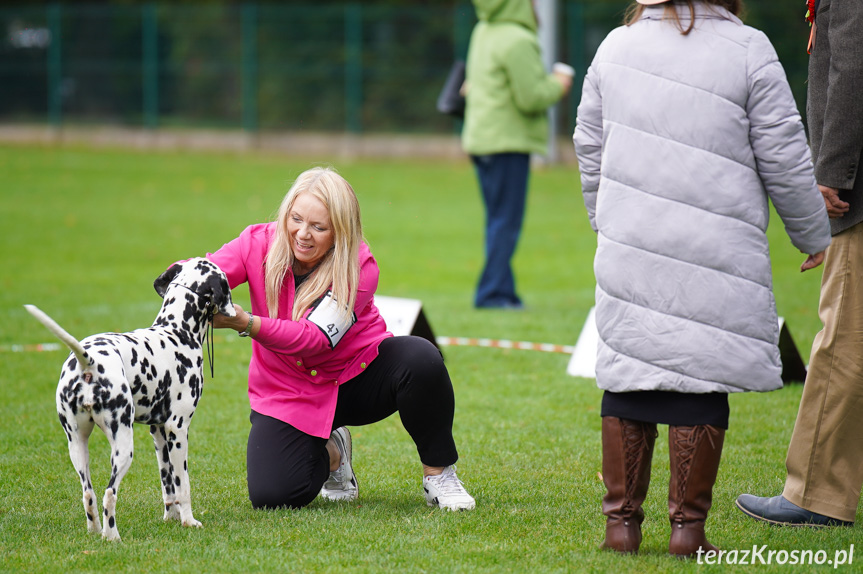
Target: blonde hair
point(339, 268)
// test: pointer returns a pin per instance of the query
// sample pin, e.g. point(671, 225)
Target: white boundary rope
point(504, 344)
point(35, 348)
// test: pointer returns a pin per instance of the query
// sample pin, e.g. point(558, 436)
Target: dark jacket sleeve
point(837, 76)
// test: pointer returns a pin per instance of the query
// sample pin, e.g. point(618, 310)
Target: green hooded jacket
point(508, 89)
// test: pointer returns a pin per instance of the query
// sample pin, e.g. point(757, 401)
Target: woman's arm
point(231, 258)
point(303, 336)
point(587, 139)
point(781, 153)
point(533, 89)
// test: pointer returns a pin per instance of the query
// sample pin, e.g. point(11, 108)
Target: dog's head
point(202, 277)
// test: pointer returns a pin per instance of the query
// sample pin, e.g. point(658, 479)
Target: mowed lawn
point(84, 234)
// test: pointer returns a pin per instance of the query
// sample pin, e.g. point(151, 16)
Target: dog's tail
point(84, 360)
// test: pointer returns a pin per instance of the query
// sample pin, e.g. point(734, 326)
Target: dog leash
point(209, 334)
point(210, 340)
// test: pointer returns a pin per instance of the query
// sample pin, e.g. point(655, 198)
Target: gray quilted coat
point(681, 140)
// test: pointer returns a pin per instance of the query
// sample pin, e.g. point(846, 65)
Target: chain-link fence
point(353, 67)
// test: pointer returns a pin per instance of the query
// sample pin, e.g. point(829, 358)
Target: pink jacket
point(294, 374)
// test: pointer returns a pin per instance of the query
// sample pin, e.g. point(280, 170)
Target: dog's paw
point(172, 512)
point(191, 522)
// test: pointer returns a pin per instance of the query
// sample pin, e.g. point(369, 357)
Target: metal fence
point(264, 67)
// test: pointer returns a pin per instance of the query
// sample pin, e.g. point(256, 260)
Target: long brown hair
point(635, 10)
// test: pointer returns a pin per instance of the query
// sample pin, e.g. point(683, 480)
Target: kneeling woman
point(322, 358)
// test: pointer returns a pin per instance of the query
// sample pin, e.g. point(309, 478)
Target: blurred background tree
point(329, 66)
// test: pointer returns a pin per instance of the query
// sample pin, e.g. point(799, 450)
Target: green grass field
point(85, 232)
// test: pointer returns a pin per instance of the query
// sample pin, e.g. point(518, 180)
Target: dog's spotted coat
point(151, 376)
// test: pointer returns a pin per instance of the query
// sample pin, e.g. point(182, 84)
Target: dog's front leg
point(178, 450)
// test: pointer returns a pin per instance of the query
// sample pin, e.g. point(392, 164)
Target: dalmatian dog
point(151, 376)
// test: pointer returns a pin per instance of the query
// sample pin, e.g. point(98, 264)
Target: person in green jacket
point(507, 92)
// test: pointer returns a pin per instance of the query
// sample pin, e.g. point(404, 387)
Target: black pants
point(287, 467)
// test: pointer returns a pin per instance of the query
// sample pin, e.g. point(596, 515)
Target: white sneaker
point(342, 483)
point(447, 491)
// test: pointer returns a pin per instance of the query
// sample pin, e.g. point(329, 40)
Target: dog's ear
point(220, 291)
point(162, 281)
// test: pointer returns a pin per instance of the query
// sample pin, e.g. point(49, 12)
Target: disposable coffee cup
point(565, 69)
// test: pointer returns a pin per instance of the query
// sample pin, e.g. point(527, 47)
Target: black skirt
point(668, 407)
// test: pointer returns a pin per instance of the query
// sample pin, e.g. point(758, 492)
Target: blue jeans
point(503, 180)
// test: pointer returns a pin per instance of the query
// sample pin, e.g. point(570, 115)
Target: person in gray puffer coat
point(686, 130)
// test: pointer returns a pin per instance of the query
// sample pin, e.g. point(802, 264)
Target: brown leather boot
point(627, 450)
point(695, 452)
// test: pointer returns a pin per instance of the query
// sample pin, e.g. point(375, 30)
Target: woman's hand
point(565, 81)
point(812, 261)
point(237, 323)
